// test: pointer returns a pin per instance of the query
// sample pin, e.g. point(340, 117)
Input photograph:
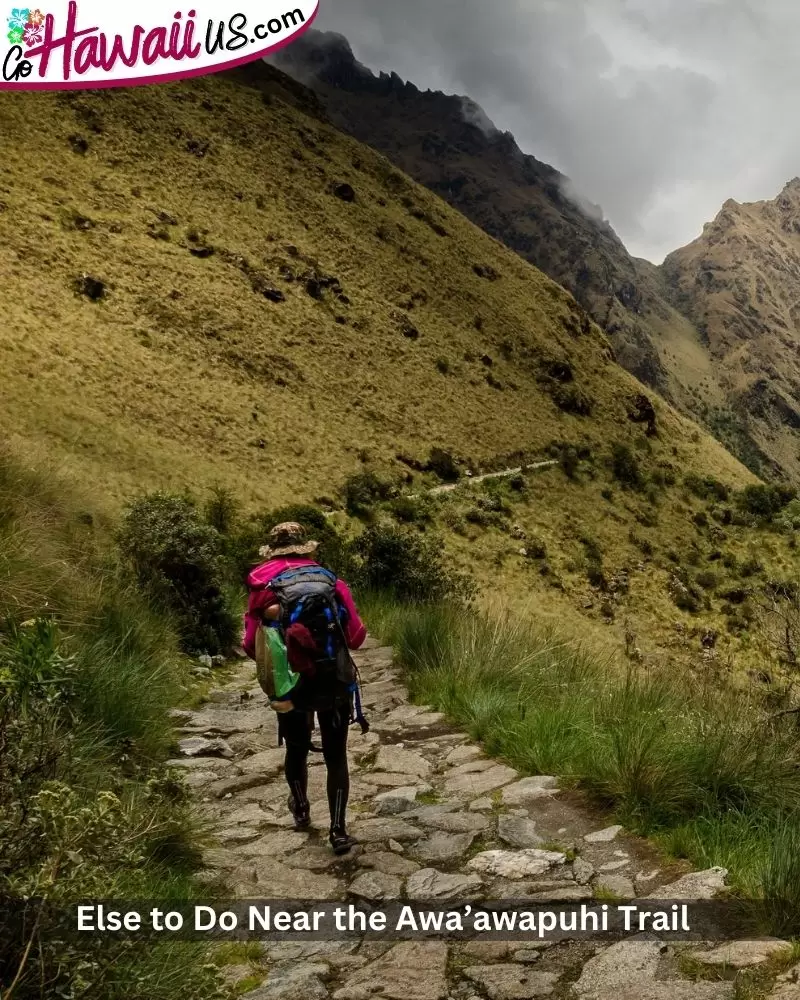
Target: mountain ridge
point(657, 328)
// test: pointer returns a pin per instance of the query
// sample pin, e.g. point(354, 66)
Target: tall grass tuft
point(701, 767)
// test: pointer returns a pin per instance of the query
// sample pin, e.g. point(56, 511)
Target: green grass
point(699, 766)
point(88, 673)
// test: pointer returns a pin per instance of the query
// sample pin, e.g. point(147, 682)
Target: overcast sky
point(659, 110)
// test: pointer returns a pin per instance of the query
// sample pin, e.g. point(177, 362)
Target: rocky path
point(436, 820)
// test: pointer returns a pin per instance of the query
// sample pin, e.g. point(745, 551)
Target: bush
point(407, 565)
point(363, 490)
point(764, 501)
point(177, 558)
point(409, 510)
point(569, 462)
point(706, 487)
point(625, 467)
point(442, 464)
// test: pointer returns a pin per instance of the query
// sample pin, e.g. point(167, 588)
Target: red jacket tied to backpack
point(261, 597)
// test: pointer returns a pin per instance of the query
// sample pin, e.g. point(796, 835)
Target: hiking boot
point(302, 815)
point(341, 842)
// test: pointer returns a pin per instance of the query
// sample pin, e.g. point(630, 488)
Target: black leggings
point(295, 729)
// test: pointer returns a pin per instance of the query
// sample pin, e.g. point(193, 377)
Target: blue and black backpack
point(307, 597)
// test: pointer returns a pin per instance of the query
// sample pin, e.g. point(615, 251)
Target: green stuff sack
point(275, 677)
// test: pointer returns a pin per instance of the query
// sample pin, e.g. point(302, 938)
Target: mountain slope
point(740, 284)
point(198, 205)
point(448, 144)
point(207, 282)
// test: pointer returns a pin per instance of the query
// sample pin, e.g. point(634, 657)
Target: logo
point(90, 44)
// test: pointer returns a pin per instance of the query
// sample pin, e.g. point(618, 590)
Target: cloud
point(658, 111)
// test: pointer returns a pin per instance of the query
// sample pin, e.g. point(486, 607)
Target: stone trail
point(436, 820)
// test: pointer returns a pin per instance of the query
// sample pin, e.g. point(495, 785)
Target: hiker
point(322, 687)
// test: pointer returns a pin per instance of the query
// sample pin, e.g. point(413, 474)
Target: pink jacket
point(261, 597)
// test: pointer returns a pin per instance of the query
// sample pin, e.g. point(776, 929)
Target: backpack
point(311, 623)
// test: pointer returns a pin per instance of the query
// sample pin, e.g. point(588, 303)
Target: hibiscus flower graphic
point(15, 36)
point(33, 35)
point(36, 18)
point(19, 18)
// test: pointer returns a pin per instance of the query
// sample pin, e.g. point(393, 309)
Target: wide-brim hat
point(288, 539)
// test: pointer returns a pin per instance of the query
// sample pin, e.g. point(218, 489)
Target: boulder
point(398, 800)
point(518, 832)
point(370, 831)
point(742, 954)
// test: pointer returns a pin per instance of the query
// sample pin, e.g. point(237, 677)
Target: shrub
point(701, 519)
point(764, 501)
point(707, 580)
point(222, 510)
point(625, 467)
point(569, 462)
point(409, 510)
point(406, 564)
point(177, 558)
point(363, 490)
point(442, 464)
point(790, 516)
point(706, 487)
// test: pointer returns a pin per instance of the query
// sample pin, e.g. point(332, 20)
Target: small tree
point(778, 621)
point(177, 558)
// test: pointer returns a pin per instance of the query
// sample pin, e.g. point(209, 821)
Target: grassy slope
point(160, 382)
point(184, 370)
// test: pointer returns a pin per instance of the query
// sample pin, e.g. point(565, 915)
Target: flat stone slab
point(430, 884)
point(222, 787)
point(529, 790)
point(742, 954)
point(375, 886)
point(460, 755)
point(516, 864)
point(389, 863)
point(475, 785)
point(398, 761)
point(412, 970)
point(603, 836)
point(618, 885)
point(274, 844)
point(472, 767)
point(452, 822)
point(629, 962)
point(371, 831)
point(512, 982)
point(266, 763)
point(222, 723)
point(268, 878)
point(293, 980)
point(518, 832)
point(380, 779)
point(441, 847)
point(696, 885)
point(399, 800)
